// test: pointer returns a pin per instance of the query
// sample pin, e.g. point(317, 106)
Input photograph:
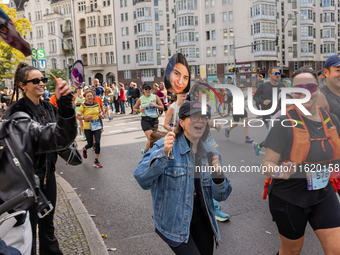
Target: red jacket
point(122, 95)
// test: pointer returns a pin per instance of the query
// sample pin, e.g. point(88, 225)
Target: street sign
point(41, 54)
point(42, 65)
point(34, 53)
point(34, 63)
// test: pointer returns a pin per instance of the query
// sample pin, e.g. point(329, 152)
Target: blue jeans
point(112, 107)
point(122, 107)
point(134, 101)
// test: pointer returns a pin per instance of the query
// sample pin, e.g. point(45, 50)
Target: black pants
point(89, 138)
point(116, 105)
point(201, 240)
point(48, 243)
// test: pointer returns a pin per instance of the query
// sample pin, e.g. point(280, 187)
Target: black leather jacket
point(43, 113)
point(23, 139)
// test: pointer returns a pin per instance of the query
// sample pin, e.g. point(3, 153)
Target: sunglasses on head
point(276, 73)
point(3, 29)
point(311, 87)
point(36, 81)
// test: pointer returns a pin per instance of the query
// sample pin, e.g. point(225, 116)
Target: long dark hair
point(20, 75)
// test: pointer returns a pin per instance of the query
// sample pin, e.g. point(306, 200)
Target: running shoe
point(110, 118)
point(84, 153)
point(80, 133)
point(84, 138)
point(94, 147)
point(256, 148)
point(143, 151)
point(249, 140)
point(97, 165)
point(227, 133)
point(221, 216)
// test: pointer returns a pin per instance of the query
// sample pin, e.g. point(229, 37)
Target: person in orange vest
point(297, 146)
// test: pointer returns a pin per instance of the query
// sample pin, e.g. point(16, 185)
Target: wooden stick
point(55, 78)
point(173, 123)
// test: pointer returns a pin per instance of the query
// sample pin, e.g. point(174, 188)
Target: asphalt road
point(123, 210)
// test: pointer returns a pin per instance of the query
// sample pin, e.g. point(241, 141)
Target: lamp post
point(290, 16)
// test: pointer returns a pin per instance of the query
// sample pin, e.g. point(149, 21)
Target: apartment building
point(95, 35)
point(52, 30)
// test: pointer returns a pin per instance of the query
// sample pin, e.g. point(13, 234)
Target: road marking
point(113, 131)
point(131, 128)
point(121, 124)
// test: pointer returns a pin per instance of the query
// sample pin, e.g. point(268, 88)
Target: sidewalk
point(74, 228)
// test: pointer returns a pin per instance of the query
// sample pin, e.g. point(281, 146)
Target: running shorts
point(291, 220)
point(149, 123)
point(240, 117)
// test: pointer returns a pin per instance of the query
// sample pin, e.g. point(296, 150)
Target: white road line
point(131, 128)
point(121, 124)
point(114, 131)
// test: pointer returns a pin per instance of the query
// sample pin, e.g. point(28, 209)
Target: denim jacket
point(172, 188)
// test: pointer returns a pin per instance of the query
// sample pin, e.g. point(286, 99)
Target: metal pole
point(234, 61)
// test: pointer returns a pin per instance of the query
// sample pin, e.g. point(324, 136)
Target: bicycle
point(225, 108)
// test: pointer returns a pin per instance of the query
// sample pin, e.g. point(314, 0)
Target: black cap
point(189, 108)
point(146, 85)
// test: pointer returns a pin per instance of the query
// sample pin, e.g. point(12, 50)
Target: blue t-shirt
point(100, 91)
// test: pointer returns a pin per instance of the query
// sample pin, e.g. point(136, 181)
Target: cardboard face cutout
point(177, 75)
point(11, 36)
point(78, 78)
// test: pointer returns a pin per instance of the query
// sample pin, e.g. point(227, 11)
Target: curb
point(94, 239)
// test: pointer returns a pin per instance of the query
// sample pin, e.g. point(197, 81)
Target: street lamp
point(290, 16)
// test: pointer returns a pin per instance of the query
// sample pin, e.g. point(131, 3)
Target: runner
point(78, 101)
point(155, 88)
point(162, 93)
point(298, 194)
point(188, 226)
point(149, 104)
point(243, 118)
point(169, 116)
point(107, 93)
point(99, 89)
point(89, 112)
point(30, 80)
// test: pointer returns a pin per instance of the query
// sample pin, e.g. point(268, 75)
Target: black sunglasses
point(36, 81)
point(3, 29)
point(147, 88)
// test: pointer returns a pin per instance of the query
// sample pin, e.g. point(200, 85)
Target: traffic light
point(69, 71)
point(277, 41)
point(231, 70)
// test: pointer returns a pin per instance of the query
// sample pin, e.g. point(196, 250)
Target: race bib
point(96, 125)
point(211, 141)
point(151, 111)
point(166, 100)
point(318, 179)
point(107, 97)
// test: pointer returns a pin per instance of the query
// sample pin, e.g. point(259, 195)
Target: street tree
point(11, 57)
point(59, 73)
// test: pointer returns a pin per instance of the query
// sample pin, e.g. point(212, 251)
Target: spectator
point(115, 96)
point(321, 79)
point(5, 98)
point(46, 94)
point(122, 98)
point(129, 95)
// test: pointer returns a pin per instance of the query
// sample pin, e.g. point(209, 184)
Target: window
point(224, 16)
point(196, 36)
point(207, 33)
point(212, 18)
point(158, 43)
point(95, 58)
point(127, 30)
point(127, 74)
point(207, 19)
point(111, 57)
point(231, 49)
point(126, 16)
point(157, 29)
point(208, 51)
point(231, 33)
point(81, 6)
point(225, 50)
point(124, 59)
point(225, 33)
point(90, 40)
point(213, 34)
point(128, 59)
point(206, 3)
point(156, 14)
point(197, 53)
point(212, 69)
point(109, 20)
point(159, 58)
point(54, 63)
point(212, 3)
point(127, 45)
point(155, 3)
point(123, 31)
point(94, 39)
point(294, 34)
point(294, 50)
point(231, 15)
point(121, 3)
point(123, 45)
point(122, 17)
point(213, 51)
point(110, 39)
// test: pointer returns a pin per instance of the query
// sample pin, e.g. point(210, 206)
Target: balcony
point(329, 8)
point(68, 52)
point(144, 18)
point(307, 54)
point(147, 62)
point(329, 39)
point(181, 28)
point(142, 33)
point(264, 35)
point(267, 1)
point(147, 79)
point(329, 24)
point(264, 17)
point(306, 5)
point(82, 31)
point(92, 8)
point(145, 48)
point(265, 53)
point(183, 44)
point(67, 34)
point(183, 12)
point(306, 21)
point(306, 38)
point(327, 55)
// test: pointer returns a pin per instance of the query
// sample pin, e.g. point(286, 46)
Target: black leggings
point(201, 240)
point(89, 138)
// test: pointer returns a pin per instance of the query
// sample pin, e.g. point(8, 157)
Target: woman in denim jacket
point(182, 187)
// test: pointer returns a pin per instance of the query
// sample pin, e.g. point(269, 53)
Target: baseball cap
point(189, 108)
point(86, 87)
point(146, 85)
point(333, 60)
point(229, 77)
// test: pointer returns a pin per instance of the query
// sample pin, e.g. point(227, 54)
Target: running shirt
point(149, 110)
point(89, 109)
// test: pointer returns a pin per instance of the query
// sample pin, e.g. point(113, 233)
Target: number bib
point(151, 111)
point(95, 125)
point(318, 179)
point(211, 141)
